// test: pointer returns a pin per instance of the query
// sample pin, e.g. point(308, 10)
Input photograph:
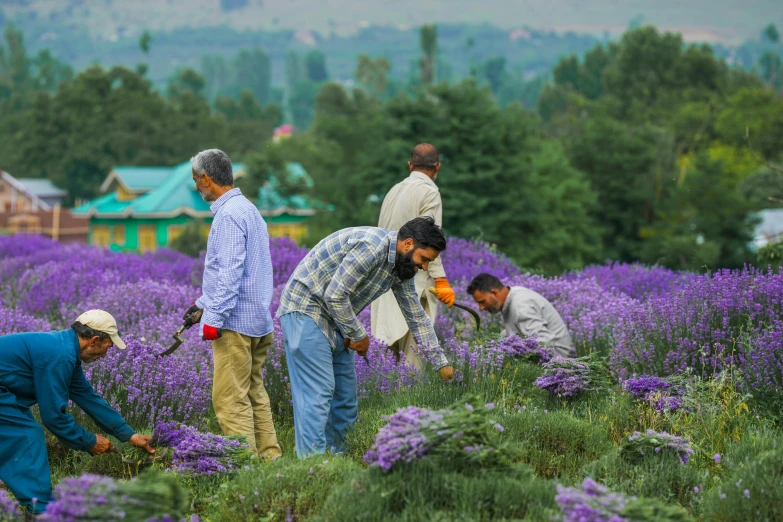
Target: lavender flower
point(592, 503)
point(663, 395)
point(567, 377)
point(526, 348)
point(197, 453)
point(9, 509)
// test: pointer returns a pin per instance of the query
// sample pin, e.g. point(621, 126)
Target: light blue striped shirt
point(237, 285)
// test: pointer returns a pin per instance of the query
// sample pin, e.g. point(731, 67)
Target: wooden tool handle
point(432, 290)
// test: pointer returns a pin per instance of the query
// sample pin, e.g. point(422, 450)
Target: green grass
point(552, 442)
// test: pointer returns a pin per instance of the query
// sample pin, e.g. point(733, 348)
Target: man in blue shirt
point(237, 292)
point(46, 368)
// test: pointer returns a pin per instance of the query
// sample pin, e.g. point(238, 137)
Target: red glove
point(211, 333)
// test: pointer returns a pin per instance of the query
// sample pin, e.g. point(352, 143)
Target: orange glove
point(444, 291)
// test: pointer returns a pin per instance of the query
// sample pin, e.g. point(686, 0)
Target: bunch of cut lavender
point(464, 430)
point(595, 503)
point(592, 503)
point(526, 348)
point(662, 393)
point(153, 495)
point(567, 377)
point(197, 453)
point(639, 445)
point(9, 509)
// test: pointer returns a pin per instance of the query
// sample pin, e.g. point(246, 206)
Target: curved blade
point(471, 311)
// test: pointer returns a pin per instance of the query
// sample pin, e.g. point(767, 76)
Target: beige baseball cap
point(102, 322)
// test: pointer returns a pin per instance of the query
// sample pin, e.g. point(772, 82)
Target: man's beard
point(404, 267)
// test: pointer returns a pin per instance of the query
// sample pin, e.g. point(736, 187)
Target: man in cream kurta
point(416, 196)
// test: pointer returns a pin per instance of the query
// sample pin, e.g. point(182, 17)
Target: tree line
point(642, 149)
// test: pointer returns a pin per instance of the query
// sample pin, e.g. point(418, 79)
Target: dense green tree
point(705, 222)
point(619, 161)
point(429, 48)
point(315, 66)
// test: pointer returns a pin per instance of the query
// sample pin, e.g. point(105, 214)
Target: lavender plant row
point(648, 321)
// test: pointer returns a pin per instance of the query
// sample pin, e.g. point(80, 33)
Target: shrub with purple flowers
point(640, 445)
point(702, 327)
point(153, 495)
point(465, 429)
point(635, 280)
point(197, 453)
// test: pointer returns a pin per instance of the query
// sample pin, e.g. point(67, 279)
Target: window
point(119, 235)
point(174, 232)
point(100, 235)
point(148, 240)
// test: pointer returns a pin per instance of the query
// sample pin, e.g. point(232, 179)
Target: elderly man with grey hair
point(236, 294)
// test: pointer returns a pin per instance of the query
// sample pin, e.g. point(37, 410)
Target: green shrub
point(661, 476)
point(770, 255)
point(754, 492)
point(283, 488)
point(555, 443)
point(436, 489)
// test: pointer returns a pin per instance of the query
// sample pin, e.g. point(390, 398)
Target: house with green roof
point(144, 208)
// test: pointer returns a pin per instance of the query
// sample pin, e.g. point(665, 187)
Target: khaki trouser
point(238, 394)
point(407, 344)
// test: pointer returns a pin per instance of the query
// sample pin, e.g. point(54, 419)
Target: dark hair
point(484, 283)
point(425, 156)
point(424, 232)
point(216, 164)
point(85, 332)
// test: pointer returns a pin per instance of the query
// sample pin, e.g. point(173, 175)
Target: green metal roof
point(138, 179)
point(176, 194)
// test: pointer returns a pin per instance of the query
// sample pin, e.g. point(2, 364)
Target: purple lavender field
point(699, 357)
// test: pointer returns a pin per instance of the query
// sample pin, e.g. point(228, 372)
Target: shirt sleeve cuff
point(356, 335)
point(124, 433)
point(212, 319)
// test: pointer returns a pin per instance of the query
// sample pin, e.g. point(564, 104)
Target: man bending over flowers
point(337, 279)
point(46, 368)
point(524, 312)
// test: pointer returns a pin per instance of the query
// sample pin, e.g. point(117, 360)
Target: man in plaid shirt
point(337, 279)
point(236, 293)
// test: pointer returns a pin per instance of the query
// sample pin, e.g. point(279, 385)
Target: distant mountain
point(728, 21)
point(530, 34)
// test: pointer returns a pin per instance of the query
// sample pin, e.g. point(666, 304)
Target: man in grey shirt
point(525, 312)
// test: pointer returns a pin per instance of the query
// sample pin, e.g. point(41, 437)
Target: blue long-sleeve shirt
point(45, 368)
point(237, 284)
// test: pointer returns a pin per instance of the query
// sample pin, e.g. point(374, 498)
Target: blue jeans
point(323, 386)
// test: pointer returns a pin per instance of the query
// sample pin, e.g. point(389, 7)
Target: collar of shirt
point(392, 247)
point(219, 202)
point(422, 176)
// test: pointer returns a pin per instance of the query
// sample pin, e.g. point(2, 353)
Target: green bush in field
point(284, 488)
point(556, 444)
point(661, 476)
point(753, 493)
point(438, 489)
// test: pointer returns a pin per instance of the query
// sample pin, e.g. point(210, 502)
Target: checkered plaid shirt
point(343, 274)
point(237, 285)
